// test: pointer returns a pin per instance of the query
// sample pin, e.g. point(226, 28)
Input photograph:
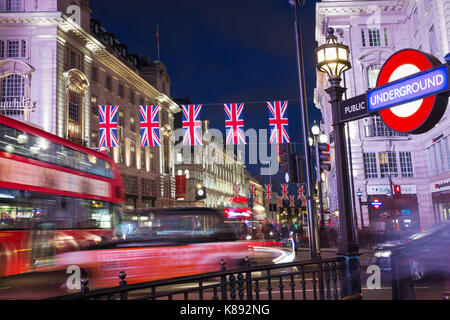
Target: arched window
point(75, 102)
point(372, 75)
point(12, 90)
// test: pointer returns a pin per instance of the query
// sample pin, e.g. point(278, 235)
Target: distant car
point(173, 242)
point(426, 252)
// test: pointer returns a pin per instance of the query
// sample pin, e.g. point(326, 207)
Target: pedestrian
point(284, 234)
point(323, 236)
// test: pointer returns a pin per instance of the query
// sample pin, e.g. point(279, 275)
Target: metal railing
point(315, 280)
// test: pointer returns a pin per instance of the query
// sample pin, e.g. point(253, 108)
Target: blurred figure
point(323, 235)
point(260, 231)
point(284, 234)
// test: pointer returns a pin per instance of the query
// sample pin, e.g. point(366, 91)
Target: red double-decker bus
point(55, 196)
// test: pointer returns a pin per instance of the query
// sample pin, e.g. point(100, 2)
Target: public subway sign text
point(413, 88)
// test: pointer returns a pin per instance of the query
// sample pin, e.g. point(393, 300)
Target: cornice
point(359, 7)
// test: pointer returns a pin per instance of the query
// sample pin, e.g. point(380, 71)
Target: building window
point(108, 83)
point(14, 5)
point(94, 75)
point(374, 38)
point(2, 48)
point(186, 172)
point(406, 165)
point(121, 90)
point(130, 184)
point(363, 37)
point(388, 164)
point(132, 124)
point(132, 96)
point(143, 166)
point(75, 98)
point(372, 75)
point(433, 43)
point(13, 89)
point(13, 48)
point(94, 105)
point(133, 156)
point(24, 49)
point(147, 187)
point(375, 127)
point(447, 151)
point(386, 37)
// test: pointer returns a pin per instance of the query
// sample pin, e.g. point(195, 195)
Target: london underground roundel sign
point(417, 116)
point(376, 203)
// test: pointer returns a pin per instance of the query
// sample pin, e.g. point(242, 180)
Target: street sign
point(411, 93)
point(353, 108)
point(376, 203)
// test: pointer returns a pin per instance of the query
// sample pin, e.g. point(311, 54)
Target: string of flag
point(191, 123)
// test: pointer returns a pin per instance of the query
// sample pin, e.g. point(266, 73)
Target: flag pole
point(157, 39)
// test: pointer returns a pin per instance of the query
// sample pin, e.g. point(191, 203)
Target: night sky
point(223, 51)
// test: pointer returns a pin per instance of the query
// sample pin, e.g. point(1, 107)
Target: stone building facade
point(381, 158)
point(56, 58)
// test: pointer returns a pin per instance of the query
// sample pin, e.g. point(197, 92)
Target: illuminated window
point(186, 172)
point(388, 164)
point(75, 97)
point(12, 89)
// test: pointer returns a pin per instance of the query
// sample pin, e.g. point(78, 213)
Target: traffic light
point(250, 200)
point(397, 190)
point(296, 168)
point(324, 156)
point(283, 157)
point(200, 192)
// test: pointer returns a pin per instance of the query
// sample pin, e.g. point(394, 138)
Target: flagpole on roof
point(157, 39)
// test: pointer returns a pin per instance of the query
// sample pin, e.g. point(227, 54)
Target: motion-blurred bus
point(55, 196)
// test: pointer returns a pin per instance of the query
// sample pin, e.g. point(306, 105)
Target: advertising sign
point(411, 93)
point(180, 186)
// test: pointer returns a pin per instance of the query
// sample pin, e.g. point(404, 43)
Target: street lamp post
point(304, 115)
point(359, 194)
point(333, 58)
point(315, 129)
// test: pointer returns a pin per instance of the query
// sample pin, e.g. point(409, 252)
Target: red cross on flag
point(252, 189)
point(278, 122)
point(301, 192)
point(280, 201)
point(236, 190)
point(284, 191)
point(268, 192)
point(292, 201)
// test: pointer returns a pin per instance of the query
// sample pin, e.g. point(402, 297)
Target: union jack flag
point(268, 192)
point(236, 190)
point(252, 190)
point(284, 190)
point(234, 123)
point(301, 192)
point(149, 126)
point(278, 122)
point(292, 201)
point(108, 126)
point(192, 127)
point(280, 201)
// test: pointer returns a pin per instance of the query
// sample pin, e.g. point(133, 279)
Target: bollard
point(223, 280)
point(122, 276)
point(84, 285)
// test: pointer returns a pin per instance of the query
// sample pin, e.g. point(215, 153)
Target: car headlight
point(383, 254)
point(249, 237)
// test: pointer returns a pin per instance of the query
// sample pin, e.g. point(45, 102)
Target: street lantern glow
point(315, 129)
point(323, 138)
point(333, 57)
